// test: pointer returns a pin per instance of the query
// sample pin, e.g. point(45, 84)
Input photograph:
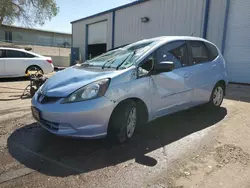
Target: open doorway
point(96, 49)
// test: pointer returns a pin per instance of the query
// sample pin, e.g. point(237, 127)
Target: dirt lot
point(195, 148)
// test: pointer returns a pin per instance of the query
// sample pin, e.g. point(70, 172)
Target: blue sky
point(71, 10)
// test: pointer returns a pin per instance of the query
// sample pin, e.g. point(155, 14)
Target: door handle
point(213, 66)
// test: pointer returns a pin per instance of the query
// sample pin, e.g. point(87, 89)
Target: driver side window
point(175, 52)
point(146, 66)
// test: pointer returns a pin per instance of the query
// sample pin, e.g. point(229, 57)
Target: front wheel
point(217, 96)
point(123, 121)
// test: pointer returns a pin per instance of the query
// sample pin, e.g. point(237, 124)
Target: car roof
point(158, 41)
point(174, 38)
point(165, 39)
point(21, 50)
point(18, 49)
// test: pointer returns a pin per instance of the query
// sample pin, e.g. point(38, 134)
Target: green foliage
point(27, 12)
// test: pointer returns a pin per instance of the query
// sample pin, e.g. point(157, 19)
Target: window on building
point(15, 54)
point(175, 52)
point(8, 36)
point(199, 52)
point(44, 40)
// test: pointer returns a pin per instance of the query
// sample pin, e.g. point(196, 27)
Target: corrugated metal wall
point(216, 21)
point(167, 17)
point(79, 32)
point(237, 43)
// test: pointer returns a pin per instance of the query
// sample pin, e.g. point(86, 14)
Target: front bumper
point(87, 119)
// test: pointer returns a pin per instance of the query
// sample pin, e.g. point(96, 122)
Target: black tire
point(118, 127)
point(33, 68)
point(212, 103)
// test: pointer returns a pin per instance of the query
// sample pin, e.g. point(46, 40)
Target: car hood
point(69, 80)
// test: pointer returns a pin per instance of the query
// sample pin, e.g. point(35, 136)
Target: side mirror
point(164, 66)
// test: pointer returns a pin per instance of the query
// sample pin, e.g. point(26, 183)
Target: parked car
point(17, 62)
point(123, 89)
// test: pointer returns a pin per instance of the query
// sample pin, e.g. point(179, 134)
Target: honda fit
point(123, 89)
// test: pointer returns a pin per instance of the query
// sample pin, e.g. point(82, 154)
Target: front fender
point(138, 88)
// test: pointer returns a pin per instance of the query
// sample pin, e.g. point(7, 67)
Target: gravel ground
point(199, 147)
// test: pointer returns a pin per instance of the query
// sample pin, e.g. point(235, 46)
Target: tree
point(27, 12)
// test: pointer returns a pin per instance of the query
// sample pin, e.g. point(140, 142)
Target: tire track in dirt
point(11, 110)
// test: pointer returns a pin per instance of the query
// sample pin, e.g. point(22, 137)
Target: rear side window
point(213, 52)
point(29, 55)
point(175, 52)
point(15, 54)
point(199, 52)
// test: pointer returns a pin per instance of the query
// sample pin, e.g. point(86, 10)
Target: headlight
point(90, 91)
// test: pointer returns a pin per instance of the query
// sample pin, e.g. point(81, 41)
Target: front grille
point(50, 125)
point(43, 99)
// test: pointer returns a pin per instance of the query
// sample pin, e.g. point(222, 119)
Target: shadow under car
point(38, 149)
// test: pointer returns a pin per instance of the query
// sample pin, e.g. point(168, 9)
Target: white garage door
point(97, 33)
point(237, 47)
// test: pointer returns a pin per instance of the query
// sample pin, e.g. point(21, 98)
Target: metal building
point(29, 36)
point(224, 22)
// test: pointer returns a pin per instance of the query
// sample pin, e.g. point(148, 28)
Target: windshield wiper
point(118, 66)
point(103, 66)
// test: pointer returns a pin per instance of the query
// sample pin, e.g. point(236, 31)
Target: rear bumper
point(87, 119)
point(48, 69)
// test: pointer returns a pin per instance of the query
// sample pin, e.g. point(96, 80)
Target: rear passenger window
point(2, 54)
point(213, 52)
point(199, 52)
point(15, 54)
point(29, 55)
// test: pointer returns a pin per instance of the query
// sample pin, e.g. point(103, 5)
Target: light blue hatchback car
point(118, 91)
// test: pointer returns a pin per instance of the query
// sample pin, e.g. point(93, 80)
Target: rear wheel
point(217, 96)
point(34, 69)
point(123, 121)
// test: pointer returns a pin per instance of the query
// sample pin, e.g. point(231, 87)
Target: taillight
point(49, 60)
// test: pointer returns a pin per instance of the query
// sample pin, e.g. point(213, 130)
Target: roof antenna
point(192, 34)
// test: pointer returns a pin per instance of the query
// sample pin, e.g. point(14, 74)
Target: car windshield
point(121, 58)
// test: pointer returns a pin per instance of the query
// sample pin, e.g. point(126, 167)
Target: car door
point(172, 91)
point(203, 71)
point(15, 63)
point(2, 62)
